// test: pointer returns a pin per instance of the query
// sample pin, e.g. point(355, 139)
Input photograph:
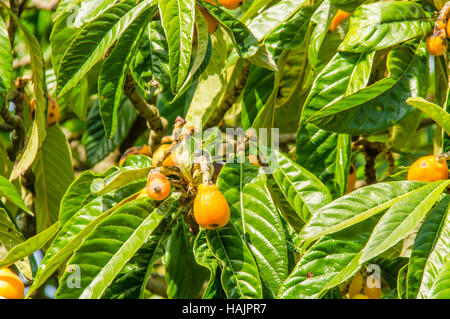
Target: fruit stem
point(203, 161)
point(443, 14)
point(443, 157)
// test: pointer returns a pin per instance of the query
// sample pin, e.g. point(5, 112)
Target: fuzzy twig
point(370, 150)
point(155, 121)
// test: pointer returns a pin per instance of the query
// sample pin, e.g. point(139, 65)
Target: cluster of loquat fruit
point(210, 207)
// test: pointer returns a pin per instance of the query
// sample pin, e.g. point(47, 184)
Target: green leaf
point(401, 282)
point(240, 275)
point(402, 218)
point(291, 33)
point(111, 245)
point(79, 226)
point(114, 70)
point(329, 262)
point(304, 191)
point(97, 144)
point(320, 20)
point(246, 43)
point(94, 40)
point(10, 192)
point(118, 179)
point(130, 283)
point(254, 215)
point(286, 210)
point(437, 257)
point(326, 155)
point(6, 63)
point(441, 288)
point(287, 86)
point(381, 25)
point(151, 61)
point(184, 277)
point(54, 173)
point(358, 206)
point(425, 242)
point(258, 89)
point(437, 113)
point(38, 130)
point(10, 236)
point(205, 257)
point(212, 84)
point(29, 246)
point(70, 17)
point(178, 22)
point(273, 17)
point(201, 56)
point(79, 194)
point(344, 79)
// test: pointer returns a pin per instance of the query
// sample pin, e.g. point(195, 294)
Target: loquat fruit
point(211, 210)
point(428, 169)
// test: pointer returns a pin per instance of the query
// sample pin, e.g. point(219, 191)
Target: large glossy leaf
point(240, 275)
point(427, 237)
point(130, 283)
point(25, 248)
point(6, 62)
point(97, 144)
point(178, 22)
point(272, 17)
point(383, 24)
point(54, 173)
point(185, 282)
point(326, 155)
point(254, 215)
point(437, 258)
point(151, 61)
point(201, 54)
point(358, 206)
point(94, 40)
point(114, 70)
point(437, 113)
point(441, 289)
point(79, 194)
point(402, 218)
point(258, 89)
point(212, 84)
point(329, 262)
point(205, 257)
point(11, 194)
point(283, 206)
point(282, 107)
point(111, 245)
point(38, 130)
point(320, 20)
point(69, 18)
point(291, 33)
point(118, 179)
point(371, 109)
point(79, 226)
point(304, 191)
point(333, 90)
